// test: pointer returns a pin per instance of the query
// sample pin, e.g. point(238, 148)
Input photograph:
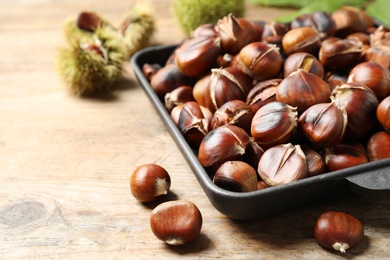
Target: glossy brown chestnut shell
point(274, 123)
point(315, 163)
point(383, 113)
point(176, 222)
point(338, 230)
point(304, 61)
point(378, 146)
point(282, 164)
point(225, 143)
point(345, 155)
point(222, 85)
point(361, 103)
point(319, 20)
point(372, 75)
point(193, 124)
point(233, 112)
point(262, 93)
point(324, 124)
point(197, 55)
point(236, 176)
point(302, 89)
point(301, 39)
point(260, 61)
point(178, 96)
point(234, 33)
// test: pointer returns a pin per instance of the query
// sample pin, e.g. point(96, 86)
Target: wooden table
point(65, 162)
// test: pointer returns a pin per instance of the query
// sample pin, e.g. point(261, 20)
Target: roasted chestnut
point(167, 79)
point(383, 113)
point(150, 69)
point(338, 230)
point(197, 55)
point(380, 37)
point(282, 164)
point(178, 96)
point(302, 89)
point(148, 182)
point(233, 112)
point(345, 155)
point(361, 103)
point(301, 39)
point(304, 61)
point(176, 222)
point(274, 123)
point(319, 20)
point(234, 33)
point(236, 176)
point(204, 30)
point(225, 143)
point(324, 124)
point(222, 85)
point(260, 61)
point(349, 20)
point(193, 124)
point(380, 54)
point(262, 93)
point(372, 75)
point(315, 163)
point(378, 146)
point(340, 54)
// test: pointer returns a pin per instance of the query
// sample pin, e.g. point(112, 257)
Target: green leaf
point(379, 9)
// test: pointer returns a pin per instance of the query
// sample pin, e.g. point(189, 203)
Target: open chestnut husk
point(236, 176)
point(302, 89)
point(338, 230)
point(225, 143)
point(274, 123)
point(324, 124)
point(176, 222)
point(378, 146)
point(282, 164)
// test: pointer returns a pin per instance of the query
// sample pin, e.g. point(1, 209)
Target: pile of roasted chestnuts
point(264, 104)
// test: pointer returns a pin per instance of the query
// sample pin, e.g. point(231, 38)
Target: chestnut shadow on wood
point(171, 196)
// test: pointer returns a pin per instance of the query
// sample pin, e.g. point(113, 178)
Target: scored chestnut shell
point(301, 39)
point(345, 155)
point(178, 96)
point(222, 85)
point(225, 143)
point(233, 112)
point(234, 33)
point(282, 164)
point(315, 163)
point(260, 61)
point(274, 123)
point(361, 103)
point(193, 124)
point(324, 124)
point(302, 89)
point(149, 181)
point(338, 230)
point(340, 54)
point(236, 176)
point(378, 146)
point(262, 93)
point(176, 222)
point(197, 55)
point(304, 61)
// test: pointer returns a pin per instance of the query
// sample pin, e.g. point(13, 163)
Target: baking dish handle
point(375, 182)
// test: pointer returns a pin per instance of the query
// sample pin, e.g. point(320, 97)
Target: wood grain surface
point(65, 162)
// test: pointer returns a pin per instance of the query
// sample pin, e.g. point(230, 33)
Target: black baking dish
point(369, 179)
